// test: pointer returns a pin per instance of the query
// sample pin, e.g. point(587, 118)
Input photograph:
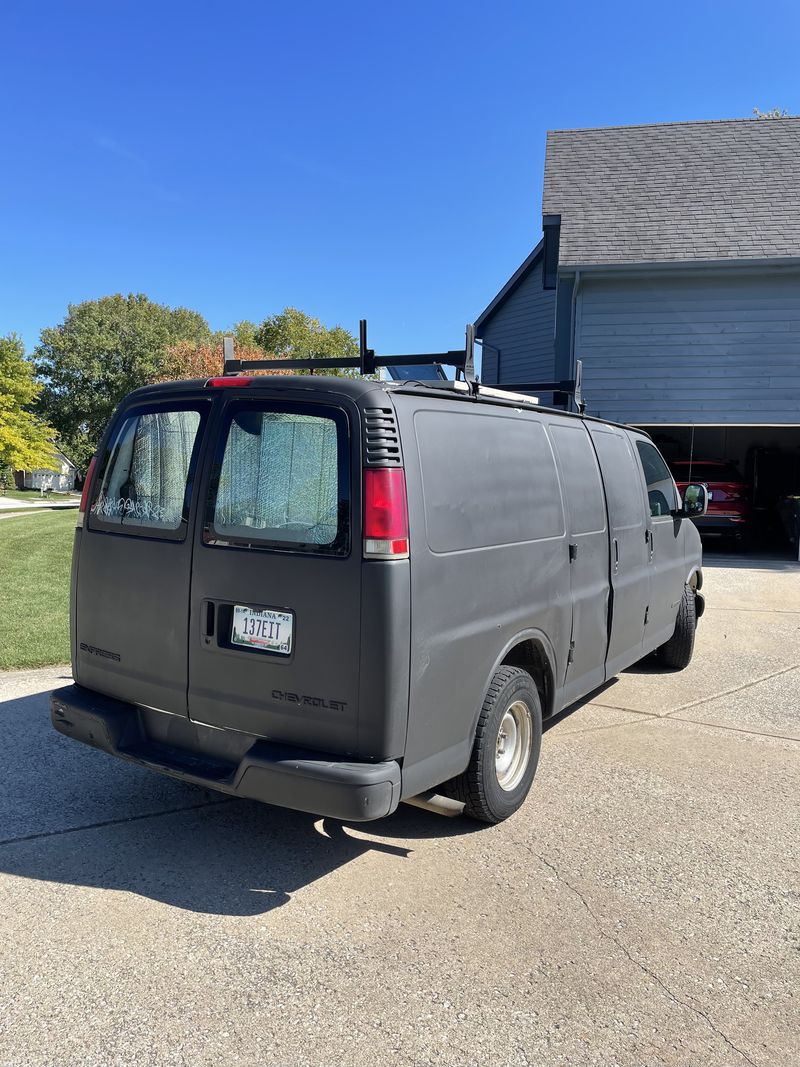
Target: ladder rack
point(367, 363)
point(463, 360)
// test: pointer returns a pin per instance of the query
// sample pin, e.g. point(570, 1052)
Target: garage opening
point(753, 473)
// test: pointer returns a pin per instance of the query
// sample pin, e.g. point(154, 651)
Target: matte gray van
point(336, 594)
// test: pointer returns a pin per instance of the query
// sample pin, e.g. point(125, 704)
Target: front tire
point(677, 652)
point(506, 749)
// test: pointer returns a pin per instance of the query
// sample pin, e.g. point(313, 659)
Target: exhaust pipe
point(436, 802)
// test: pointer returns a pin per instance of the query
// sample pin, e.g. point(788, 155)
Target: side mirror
point(695, 501)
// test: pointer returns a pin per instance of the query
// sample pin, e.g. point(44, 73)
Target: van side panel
point(489, 563)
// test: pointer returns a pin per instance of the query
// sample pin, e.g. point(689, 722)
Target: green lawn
point(35, 557)
point(32, 496)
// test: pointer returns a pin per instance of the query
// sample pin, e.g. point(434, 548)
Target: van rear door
point(133, 556)
point(276, 582)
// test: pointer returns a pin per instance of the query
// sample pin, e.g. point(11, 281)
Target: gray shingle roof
point(676, 191)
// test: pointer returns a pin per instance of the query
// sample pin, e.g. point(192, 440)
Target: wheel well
point(531, 657)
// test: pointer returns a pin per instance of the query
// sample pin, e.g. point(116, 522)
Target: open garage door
point(757, 469)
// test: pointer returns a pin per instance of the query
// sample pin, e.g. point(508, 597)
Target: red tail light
point(85, 493)
point(385, 513)
point(231, 381)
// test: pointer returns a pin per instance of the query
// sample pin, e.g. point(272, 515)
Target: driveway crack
point(638, 963)
point(730, 692)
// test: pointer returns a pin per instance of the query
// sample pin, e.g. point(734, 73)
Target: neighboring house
point(670, 266)
point(60, 480)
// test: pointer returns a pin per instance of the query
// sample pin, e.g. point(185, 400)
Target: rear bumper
point(265, 771)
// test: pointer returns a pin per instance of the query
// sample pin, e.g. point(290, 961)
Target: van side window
point(660, 487)
point(282, 481)
point(144, 484)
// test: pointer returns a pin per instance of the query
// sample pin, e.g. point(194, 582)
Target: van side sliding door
point(587, 532)
point(629, 546)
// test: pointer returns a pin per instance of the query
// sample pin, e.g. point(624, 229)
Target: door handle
point(616, 555)
point(648, 536)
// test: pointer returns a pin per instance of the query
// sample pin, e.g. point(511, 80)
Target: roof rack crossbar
point(366, 363)
point(572, 386)
point(566, 385)
point(451, 359)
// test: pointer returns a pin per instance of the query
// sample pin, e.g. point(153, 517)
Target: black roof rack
point(572, 386)
point(367, 363)
point(463, 360)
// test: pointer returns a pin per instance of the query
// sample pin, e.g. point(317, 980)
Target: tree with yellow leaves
point(26, 443)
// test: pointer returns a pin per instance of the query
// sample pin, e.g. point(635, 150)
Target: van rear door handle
point(616, 555)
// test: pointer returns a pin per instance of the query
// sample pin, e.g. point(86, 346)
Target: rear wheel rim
point(513, 745)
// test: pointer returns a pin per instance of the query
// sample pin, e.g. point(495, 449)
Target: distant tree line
point(80, 370)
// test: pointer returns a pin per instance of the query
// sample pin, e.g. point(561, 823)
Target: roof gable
point(58, 454)
point(516, 278)
point(688, 191)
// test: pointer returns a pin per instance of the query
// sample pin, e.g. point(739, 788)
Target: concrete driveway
point(640, 909)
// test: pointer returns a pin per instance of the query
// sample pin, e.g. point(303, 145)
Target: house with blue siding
point(670, 266)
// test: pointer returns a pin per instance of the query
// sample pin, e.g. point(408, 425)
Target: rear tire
point(506, 749)
point(677, 652)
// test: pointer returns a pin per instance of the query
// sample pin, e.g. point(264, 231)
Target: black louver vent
point(381, 439)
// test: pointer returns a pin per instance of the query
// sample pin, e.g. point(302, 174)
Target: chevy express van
point(335, 594)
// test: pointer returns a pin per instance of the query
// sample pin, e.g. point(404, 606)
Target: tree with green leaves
point(295, 335)
point(290, 335)
point(26, 443)
point(244, 334)
point(101, 351)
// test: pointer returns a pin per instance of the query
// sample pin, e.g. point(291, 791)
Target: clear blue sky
point(352, 159)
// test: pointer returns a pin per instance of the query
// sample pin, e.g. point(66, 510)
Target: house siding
point(702, 348)
point(521, 329)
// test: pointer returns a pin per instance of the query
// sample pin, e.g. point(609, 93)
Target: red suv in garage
point(729, 511)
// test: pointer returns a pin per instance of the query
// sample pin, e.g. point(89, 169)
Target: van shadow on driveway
point(73, 816)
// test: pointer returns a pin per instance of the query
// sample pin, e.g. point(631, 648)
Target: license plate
point(263, 629)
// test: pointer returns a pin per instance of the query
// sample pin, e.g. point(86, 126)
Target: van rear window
point(144, 482)
point(281, 480)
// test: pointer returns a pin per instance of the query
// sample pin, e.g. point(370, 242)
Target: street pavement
point(640, 910)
